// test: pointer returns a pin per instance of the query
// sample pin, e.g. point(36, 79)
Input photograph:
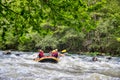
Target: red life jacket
point(41, 54)
point(55, 54)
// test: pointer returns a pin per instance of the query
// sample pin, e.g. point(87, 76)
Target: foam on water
point(74, 67)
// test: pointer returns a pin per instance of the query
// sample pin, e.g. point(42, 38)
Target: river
point(74, 67)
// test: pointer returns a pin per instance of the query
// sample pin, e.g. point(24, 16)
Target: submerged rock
point(94, 59)
point(17, 54)
point(109, 57)
point(8, 52)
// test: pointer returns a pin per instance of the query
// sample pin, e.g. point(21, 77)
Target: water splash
point(74, 67)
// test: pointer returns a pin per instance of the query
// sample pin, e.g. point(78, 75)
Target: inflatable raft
point(47, 59)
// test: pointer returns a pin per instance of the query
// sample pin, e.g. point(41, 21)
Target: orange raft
point(47, 59)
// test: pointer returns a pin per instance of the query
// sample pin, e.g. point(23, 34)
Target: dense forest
point(74, 25)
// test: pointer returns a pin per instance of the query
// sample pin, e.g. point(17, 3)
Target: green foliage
point(118, 39)
point(75, 25)
point(47, 41)
point(92, 53)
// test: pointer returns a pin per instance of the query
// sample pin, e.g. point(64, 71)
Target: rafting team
point(53, 53)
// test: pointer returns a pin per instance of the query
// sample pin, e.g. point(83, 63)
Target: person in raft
point(55, 53)
point(41, 53)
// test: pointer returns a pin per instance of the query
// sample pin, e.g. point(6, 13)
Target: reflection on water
point(75, 67)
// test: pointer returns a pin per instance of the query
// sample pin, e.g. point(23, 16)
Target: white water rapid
point(74, 67)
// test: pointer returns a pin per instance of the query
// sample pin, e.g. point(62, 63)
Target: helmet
point(40, 50)
point(56, 49)
point(53, 50)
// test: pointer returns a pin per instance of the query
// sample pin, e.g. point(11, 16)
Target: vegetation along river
point(74, 67)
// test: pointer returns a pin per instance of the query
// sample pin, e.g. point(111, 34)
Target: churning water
point(74, 67)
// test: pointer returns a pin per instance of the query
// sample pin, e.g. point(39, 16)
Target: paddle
point(63, 51)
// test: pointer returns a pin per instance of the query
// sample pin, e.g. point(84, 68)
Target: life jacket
point(55, 54)
point(41, 54)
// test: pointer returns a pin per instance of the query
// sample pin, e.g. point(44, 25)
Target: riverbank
point(93, 54)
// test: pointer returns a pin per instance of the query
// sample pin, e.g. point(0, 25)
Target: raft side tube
point(47, 59)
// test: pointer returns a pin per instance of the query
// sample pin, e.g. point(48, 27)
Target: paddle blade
point(63, 50)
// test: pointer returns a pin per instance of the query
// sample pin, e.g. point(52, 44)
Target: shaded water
point(75, 67)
